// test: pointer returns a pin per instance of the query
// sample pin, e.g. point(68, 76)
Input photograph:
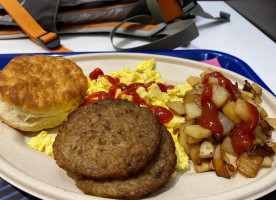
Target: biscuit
point(39, 92)
point(107, 139)
point(156, 174)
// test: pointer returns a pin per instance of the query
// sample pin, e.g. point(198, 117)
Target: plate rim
point(39, 193)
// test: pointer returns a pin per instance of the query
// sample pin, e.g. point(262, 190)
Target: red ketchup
point(243, 136)
point(232, 89)
point(163, 114)
point(162, 87)
point(209, 116)
point(95, 74)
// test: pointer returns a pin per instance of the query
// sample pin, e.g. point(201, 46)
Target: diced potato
point(267, 129)
point(198, 88)
point(211, 165)
point(207, 71)
point(246, 95)
point(249, 166)
point(227, 146)
point(176, 106)
point(182, 137)
point(224, 157)
point(248, 92)
point(213, 80)
point(192, 140)
point(229, 111)
point(242, 110)
point(252, 101)
point(192, 80)
point(192, 97)
point(230, 168)
point(260, 136)
point(267, 162)
point(232, 159)
point(226, 123)
point(203, 167)
point(192, 105)
point(272, 145)
point(258, 141)
point(263, 113)
point(207, 150)
point(257, 88)
point(211, 139)
point(195, 149)
point(222, 168)
point(186, 123)
point(215, 152)
point(272, 122)
point(192, 110)
point(220, 95)
point(197, 131)
point(262, 150)
point(258, 100)
point(260, 108)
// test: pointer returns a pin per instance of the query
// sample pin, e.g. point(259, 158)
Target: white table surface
point(238, 37)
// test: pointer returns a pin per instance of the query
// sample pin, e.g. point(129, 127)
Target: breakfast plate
point(38, 174)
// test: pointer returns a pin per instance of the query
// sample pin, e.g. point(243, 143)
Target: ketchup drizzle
point(243, 136)
point(209, 116)
point(163, 114)
point(232, 89)
point(95, 74)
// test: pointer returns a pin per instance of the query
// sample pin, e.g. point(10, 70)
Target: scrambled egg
point(144, 73)
point(43, 142)
point(182, 157)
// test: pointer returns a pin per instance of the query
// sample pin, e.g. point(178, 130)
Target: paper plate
point(38, 174)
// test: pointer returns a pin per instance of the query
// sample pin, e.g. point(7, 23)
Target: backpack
point(167, 24)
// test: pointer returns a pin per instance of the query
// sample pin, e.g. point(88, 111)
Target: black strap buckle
point(50, 45)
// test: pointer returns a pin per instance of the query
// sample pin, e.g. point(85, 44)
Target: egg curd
point(144, 73)
point(43, 142)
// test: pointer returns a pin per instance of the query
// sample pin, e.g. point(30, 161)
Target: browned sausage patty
point(107, 139)
point(156, 174)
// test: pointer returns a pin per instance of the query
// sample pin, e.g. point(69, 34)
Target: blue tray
point(7, 191)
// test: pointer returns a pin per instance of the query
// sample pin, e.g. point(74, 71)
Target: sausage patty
point(107, 139)
point(156, 174)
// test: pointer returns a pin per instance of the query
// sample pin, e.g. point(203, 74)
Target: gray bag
point(167, 24)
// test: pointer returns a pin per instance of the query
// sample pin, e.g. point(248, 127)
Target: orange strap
point(49, 40)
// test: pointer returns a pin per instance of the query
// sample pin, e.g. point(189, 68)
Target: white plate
point(38, 174)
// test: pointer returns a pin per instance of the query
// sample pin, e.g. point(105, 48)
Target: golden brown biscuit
point(39, 92)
